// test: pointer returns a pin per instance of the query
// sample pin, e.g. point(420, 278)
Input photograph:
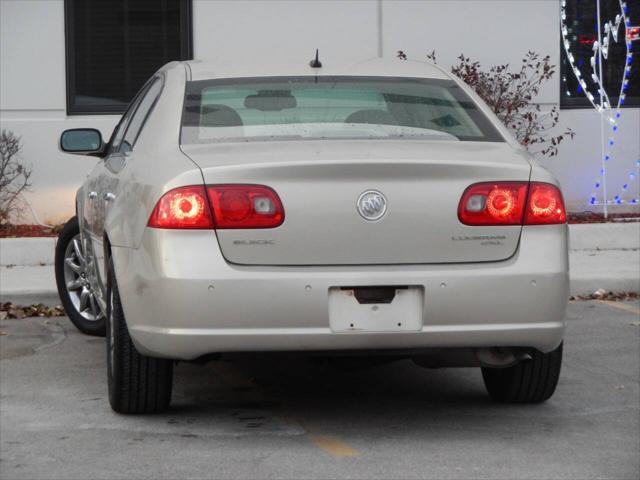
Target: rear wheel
point(73, 264)
point(528, 382)
point(137, 383)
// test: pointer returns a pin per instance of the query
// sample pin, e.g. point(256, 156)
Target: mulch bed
point(611, 296)
point(593, 217)
point(14, 231)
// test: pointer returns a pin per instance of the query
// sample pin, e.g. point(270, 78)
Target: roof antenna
point(315, 63)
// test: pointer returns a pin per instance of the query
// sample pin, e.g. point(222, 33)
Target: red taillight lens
point(184, 207)
point(545, 205)
point(245, 206)
point(511, 203)
point(496, 203)
point(233, 206)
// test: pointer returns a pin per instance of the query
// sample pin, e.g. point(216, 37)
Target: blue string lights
point(610, 115)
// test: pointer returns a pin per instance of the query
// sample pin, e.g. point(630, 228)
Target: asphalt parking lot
point(282, 417)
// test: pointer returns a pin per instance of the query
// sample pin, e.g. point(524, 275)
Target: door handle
point(92, 195)
point(108, 197)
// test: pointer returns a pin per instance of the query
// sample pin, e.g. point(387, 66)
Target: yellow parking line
point(234, 377)
point(333, 446)
point(621, 306)
point(326, 443)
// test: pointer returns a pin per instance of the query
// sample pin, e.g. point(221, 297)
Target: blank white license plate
point(403, 314)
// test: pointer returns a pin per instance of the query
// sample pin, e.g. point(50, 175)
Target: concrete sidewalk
point(603, 256)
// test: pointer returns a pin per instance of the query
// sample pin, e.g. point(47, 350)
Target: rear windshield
point(337, 107)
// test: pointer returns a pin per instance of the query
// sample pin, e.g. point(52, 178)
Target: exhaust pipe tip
point(501, 357)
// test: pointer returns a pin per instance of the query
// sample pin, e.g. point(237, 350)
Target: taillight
point(545, 205)
point(496, 203)
point(511, 203)
point(245, 206)
point(218, 206)
point(184, 207)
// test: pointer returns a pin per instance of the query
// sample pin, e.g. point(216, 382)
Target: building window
point(582, 28)
point(114, 46)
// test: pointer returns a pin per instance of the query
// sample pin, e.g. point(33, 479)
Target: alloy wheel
point(77, 265)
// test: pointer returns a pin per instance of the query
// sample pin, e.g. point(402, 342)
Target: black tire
point(89, 327)
point(528, 382)
point(137, 383)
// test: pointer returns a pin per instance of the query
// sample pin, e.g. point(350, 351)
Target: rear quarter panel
point(155, 166)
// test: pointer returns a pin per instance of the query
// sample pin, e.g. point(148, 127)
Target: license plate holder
point(403, 314)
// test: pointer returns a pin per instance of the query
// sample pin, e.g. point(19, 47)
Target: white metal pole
point(602, 139)
point(380, 29)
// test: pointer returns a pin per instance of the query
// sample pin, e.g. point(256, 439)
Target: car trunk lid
point(320, 183)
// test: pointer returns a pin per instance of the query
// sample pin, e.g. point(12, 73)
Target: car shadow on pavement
point(333, 389)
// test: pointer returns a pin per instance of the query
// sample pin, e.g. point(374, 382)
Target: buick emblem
point(372, 205)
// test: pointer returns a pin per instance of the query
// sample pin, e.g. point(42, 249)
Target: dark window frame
point(186, 50)
point(582, 102)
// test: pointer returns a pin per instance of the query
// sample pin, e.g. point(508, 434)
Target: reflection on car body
point(376, 208)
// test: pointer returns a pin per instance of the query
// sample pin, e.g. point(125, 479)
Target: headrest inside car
point(271, 100)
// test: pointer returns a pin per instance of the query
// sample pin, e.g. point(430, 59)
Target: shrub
point(511, 96)
point(14, 177)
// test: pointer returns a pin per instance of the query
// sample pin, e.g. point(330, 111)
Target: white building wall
point(259, 30)
point(33, 103)
point(497, 32)
point(579, 162)
point(32, 69)
point(491, 32)
point(32, 45)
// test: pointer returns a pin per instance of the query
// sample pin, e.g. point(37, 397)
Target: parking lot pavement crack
point(25, 337)
point(57, 332)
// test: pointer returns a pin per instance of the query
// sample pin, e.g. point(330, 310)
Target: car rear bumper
point(182, 300)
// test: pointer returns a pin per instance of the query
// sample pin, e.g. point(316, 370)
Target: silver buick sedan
point(378, 209)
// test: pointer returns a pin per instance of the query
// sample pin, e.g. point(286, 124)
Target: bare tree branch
point(14, 177)
point(511, 96)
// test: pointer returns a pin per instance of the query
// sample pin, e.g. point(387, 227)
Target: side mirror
point(82, 141)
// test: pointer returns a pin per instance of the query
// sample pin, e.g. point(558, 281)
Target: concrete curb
point(604, 236)
point(34, 297)
point(24, 252)
point(611, 270)
point(593, 236)
point(601, 256)
point(27, 285)
point(583, 287)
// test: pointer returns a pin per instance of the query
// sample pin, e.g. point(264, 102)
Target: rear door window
point(141, 114)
